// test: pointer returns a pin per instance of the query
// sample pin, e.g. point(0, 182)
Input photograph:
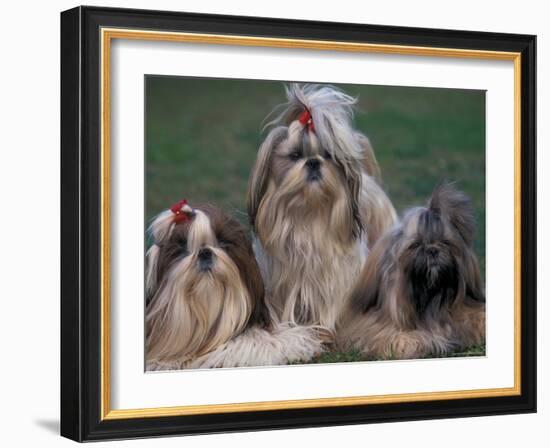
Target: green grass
point(354, 355)
point(202, 136)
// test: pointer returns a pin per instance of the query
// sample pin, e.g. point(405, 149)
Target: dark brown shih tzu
point(205, 297)
point(315, 205)
point(420, 292)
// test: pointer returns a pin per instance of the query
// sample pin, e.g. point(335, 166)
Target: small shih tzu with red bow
point(205, 298)
point(420, 292)
point(315, 205)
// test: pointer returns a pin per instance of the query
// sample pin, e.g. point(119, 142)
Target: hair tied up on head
point(182, 211)
point(306, 120)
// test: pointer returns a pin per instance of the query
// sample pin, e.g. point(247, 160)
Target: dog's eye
point(327, 155)
point(296, 155)
point(223, 243)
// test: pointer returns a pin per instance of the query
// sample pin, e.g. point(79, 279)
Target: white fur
point(285, 343)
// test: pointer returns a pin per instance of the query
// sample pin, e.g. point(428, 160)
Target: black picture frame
point(81, 224)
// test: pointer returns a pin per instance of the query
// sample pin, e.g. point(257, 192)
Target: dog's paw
point(325, 335)
point(406, 346)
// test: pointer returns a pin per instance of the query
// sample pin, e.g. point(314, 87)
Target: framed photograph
point(277, 224)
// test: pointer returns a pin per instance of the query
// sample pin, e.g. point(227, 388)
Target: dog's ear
point(456, 207)
point(151, 268)
point(259, 177)
point(255, 285)
point(369, 159)
point(243, 256)
point(239, 248)
point(159, 230)
point(472, 277)
point(368, 291)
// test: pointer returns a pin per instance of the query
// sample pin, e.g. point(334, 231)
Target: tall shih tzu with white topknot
point(420, 292)
point(205, 298)
point(315, 205)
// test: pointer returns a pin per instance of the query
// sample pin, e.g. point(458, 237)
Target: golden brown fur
point(420, 292)
point(315, 204)
point(307, 230)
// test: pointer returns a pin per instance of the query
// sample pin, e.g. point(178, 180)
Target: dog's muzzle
point(206, 259)
point(313, 169)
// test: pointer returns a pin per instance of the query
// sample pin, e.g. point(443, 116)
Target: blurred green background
point(202, 135)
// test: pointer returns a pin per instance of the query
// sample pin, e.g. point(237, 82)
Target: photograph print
point(294, 223)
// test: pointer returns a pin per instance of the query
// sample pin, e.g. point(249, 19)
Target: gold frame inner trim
point(107, 35)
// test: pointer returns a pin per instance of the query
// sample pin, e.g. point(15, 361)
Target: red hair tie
point(306, 120)
point(181, 211)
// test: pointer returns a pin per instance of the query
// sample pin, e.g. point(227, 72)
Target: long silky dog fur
point(315, 204)
point(420, 292)
point(205, 298)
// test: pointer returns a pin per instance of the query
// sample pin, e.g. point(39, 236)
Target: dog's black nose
point(205, 254)
point(431, 251)
point(205, 258)
point(313, 169)
point(313, 164)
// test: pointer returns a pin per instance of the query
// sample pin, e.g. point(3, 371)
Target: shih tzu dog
point(205, 304)
point(315, 205)
point(420, 292)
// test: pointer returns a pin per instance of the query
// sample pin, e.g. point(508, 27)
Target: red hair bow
point(181, 211)
point(306, 120)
